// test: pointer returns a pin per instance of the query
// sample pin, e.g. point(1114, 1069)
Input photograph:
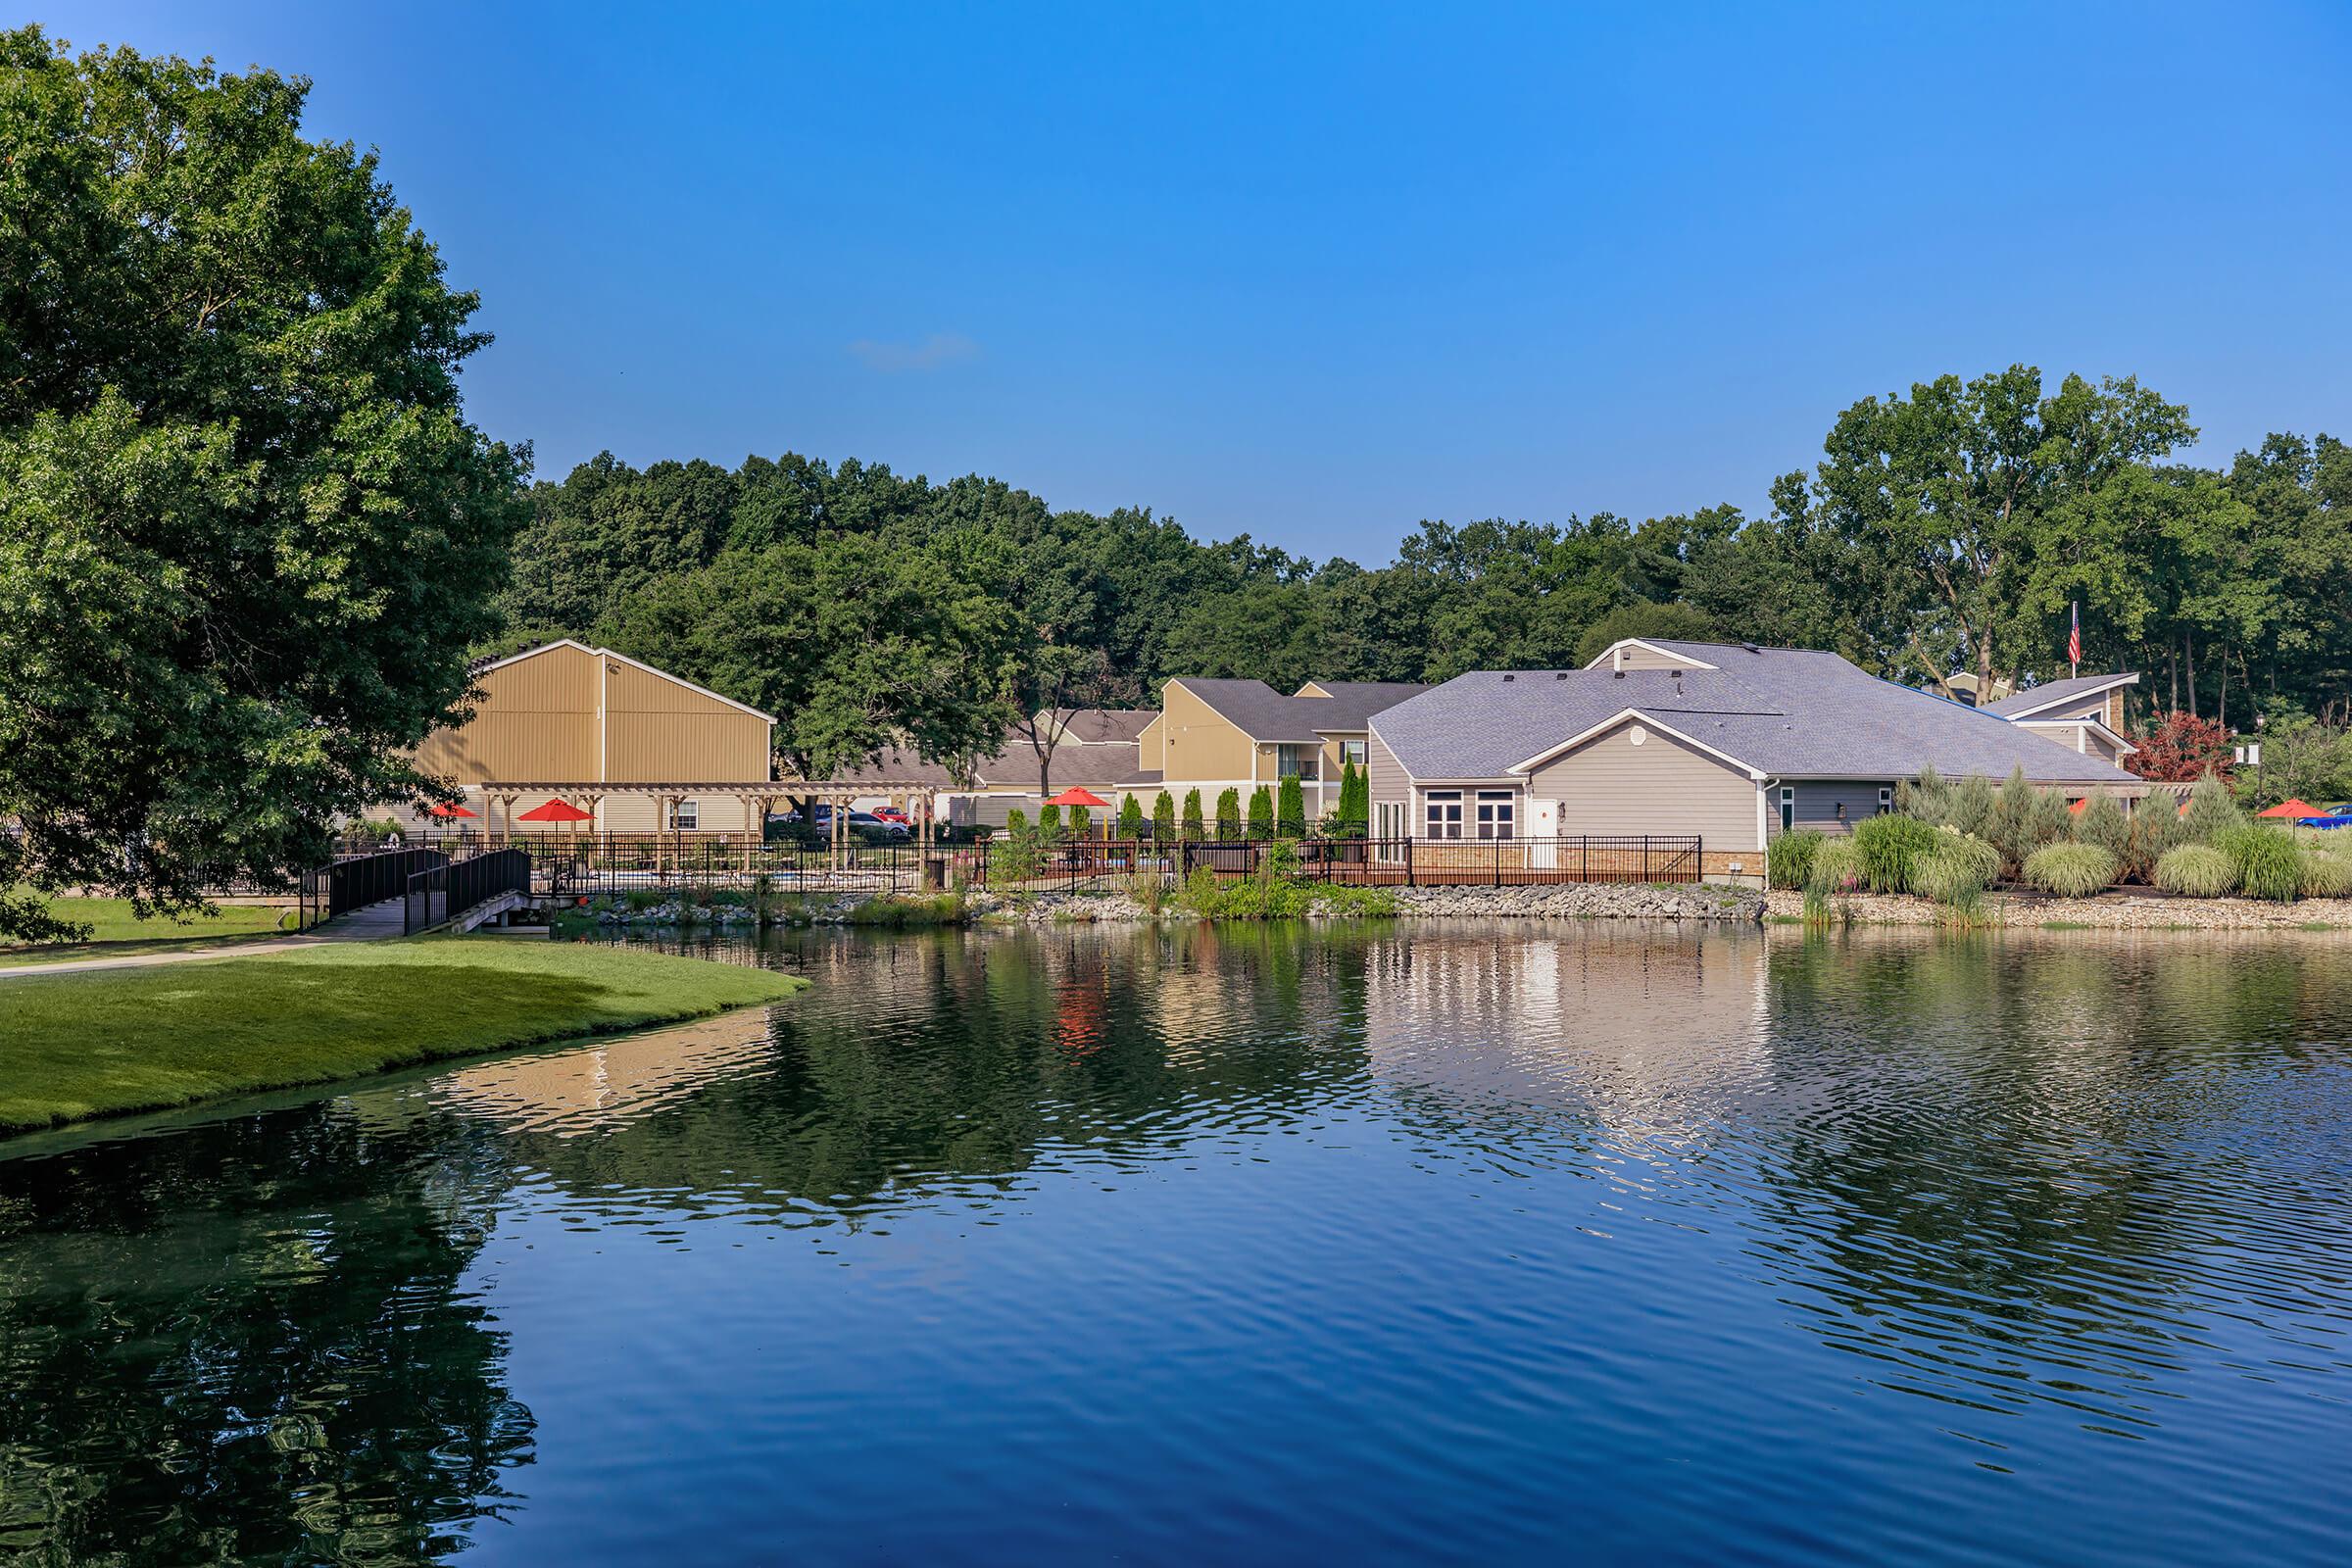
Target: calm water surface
point(1488, 1243)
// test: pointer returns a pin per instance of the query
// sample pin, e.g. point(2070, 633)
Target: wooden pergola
point(757, 798)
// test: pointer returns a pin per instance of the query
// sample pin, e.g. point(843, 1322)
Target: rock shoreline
point(1568, 901)
point(2109, 911)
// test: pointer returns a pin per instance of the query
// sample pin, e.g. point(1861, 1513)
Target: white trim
point(1763, 830)
point(2129, 677)
point(1651, 719)
point(1615, 651)
point(635, 664)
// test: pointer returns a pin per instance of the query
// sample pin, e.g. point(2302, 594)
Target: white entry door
point(1543, 829)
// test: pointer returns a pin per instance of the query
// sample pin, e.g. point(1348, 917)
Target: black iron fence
point(1360, 862)
point(440, 894)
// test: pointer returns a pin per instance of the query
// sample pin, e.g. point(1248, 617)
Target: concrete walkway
point(371, 923)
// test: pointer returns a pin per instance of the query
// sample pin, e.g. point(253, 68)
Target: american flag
point(2074, 633)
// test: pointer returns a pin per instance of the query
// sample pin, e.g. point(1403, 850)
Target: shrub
point(1017, 822)
point(1082, 822)
point(2326, 875)
point(1789, 860)
point(1972, 806)
point(1836, 867)
point(1290, 810)
point(2196, 870)
point(1049, 822)
point(1890, 846)
point(2105, 823)
point(1261, 813)
point(2268, 863)
point(2022, 820)
point(1131, 817)
point(1192, 827)
point(2069, 870)
point(1163, 818)
point(2212, 811)
point(1359, 902)
point(1228, 814)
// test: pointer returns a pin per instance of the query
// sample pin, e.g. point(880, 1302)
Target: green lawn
point(76, 1045)
point(116, 932)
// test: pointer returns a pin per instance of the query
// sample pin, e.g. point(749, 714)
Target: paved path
point(370, 924)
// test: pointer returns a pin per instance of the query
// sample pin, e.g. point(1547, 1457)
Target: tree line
point(1943, 532)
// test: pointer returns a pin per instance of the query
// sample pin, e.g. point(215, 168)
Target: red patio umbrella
point(444, 808)
point(1074, 796)
point(2294, 809)
point(555, 812)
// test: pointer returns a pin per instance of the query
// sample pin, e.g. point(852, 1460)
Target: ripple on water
point(1505, 1243)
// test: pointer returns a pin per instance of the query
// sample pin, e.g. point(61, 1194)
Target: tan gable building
point(564, 721)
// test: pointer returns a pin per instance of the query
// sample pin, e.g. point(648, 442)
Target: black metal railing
point(1361, 862)
point(357, 881)
point(440, 893)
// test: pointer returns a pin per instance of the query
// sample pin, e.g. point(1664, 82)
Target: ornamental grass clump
point(1890, 848)
point(2268, 863)
point(2196, 872)
point(1789, 860)
point(2069, 870)
point(1837, 869)
point(1957, 871)
point(2326, 874)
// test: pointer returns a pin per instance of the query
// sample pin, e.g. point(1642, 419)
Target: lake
point(1402, 1243)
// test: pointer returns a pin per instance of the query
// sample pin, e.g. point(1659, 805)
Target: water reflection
point(1701, 1245)
point(251, 1343)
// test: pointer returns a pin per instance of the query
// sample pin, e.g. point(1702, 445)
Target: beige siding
point(2100, 746)
point(1147, 745)
point(536, 719)
point(1632, 657)
point(1388, 778)
point(1197, 743)
point(1662, 786)
point(657, 729)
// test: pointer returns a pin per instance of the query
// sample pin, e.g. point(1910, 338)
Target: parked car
point(891, 814)
point(887, 822)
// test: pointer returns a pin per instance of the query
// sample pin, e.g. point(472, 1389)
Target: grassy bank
point(78, 1046)
point(117, 932)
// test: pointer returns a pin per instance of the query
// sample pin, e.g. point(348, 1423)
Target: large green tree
point(246, 533)
point(1962, 491)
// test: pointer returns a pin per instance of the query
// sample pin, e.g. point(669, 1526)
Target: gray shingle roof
point(1264, 713)
point(2058, 691)
point(1014, 766)
point(1104, 726)
point(1791, 713)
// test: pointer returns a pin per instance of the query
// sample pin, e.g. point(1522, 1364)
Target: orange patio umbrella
point(444, 808)
point(2295, 811)
point(1074, 796)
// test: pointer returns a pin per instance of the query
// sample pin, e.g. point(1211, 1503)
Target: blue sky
point(1317, 273)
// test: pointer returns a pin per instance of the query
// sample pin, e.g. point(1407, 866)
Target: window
point(1444, 814)
point(685, 816)
point(1294, 762)
point(1885, 799)
point(1352, 752)
point(1388, 819)
point(1494, 813)
point(1788, 808)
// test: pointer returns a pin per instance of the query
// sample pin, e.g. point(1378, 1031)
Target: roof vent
point(1618, 674)
point(1559, 675)
point(1510, 677)
point(1751, 648)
